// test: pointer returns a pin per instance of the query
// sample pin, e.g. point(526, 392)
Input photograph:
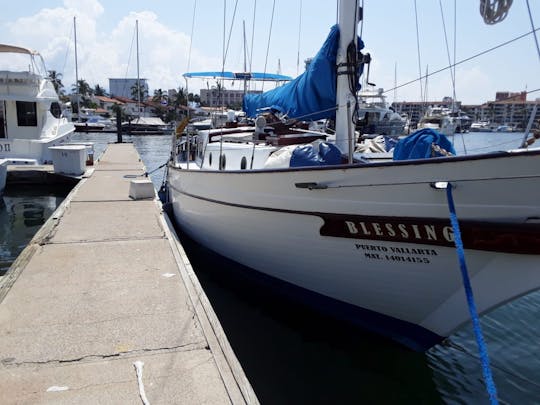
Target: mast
point(76, 70)
point(138, 79)
point(345, 99)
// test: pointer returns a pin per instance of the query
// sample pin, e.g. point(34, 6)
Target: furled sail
point(312, 95)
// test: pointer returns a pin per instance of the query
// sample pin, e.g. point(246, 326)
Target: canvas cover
point(418, 145)
point(312, 95)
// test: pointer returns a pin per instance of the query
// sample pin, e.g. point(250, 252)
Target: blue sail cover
point(312, 95)
point(418, 145)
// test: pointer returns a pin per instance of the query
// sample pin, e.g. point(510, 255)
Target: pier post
point(119, 125)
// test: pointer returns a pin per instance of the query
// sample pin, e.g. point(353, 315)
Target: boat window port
point(210, 159)
point(222, 162)
point(55, 109)
point(243, 163)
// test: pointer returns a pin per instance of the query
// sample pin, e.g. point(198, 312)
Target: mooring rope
point(145, 174)
point(482, 348)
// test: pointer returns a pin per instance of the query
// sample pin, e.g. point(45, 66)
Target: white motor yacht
point(31, 117)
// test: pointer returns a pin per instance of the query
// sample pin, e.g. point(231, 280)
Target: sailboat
point(370, 241)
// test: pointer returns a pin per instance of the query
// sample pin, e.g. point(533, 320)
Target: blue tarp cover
point(418, 145)
point(311, 93)
point(307, 155)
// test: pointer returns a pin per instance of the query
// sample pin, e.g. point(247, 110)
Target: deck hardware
point(311, 186)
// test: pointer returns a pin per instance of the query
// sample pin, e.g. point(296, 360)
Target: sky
point(277, 42)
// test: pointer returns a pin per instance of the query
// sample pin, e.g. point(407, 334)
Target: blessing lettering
point(397, 231)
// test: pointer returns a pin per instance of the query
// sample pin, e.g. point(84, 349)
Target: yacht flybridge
point(31, 117)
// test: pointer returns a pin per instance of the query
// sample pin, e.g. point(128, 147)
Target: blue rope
point(482, 348)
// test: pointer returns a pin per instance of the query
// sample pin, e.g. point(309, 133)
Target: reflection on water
point(22, 212)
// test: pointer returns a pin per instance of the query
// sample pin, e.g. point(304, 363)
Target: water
point(22, 212)
point(292, 355)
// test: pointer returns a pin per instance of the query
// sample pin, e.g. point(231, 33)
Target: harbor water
point(293, 355)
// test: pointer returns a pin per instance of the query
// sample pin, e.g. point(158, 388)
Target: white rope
point(139, 369)
point(494, 11)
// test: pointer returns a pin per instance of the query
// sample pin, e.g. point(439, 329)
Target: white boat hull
point(371, 237)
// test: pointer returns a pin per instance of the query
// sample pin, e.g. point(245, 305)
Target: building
point(507, 112)
point(106, 103)
point(123, 87)
point(509, 96)
point(509, 108)
point(229, 98)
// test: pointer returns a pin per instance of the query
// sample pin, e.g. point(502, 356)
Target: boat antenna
point(76, 70)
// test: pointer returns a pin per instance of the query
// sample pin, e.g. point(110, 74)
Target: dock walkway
point(105, 284)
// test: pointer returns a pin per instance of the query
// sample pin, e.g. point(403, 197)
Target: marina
point(321, 240)
point(291, 353)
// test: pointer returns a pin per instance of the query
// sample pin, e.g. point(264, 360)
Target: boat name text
point(399, 231)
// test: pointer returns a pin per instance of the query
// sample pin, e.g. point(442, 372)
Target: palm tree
point(160, 97)
point(99, 91)
point(83, 88)
point(138, 92)
point(180, 97)
point(56, 79)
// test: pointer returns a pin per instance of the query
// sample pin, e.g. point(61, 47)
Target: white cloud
point(163, 51)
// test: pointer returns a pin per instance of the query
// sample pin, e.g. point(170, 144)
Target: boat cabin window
point(56, 111)
point(26, 114)
point(243, 163)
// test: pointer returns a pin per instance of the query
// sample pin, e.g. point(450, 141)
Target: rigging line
point(191, 38)
point(220, 84)
point(532, 26)
point(418, 51)
point(466, 59)
point(252, 34)
point(129, 61)
point(250, 52)
point(230, 32)
point(67, 49)
point(269, 37)
point(299, 32)
point(448, 51)
point(455, 44)
point(454, 97)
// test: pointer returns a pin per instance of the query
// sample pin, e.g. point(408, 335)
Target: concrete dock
point(102, 287)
